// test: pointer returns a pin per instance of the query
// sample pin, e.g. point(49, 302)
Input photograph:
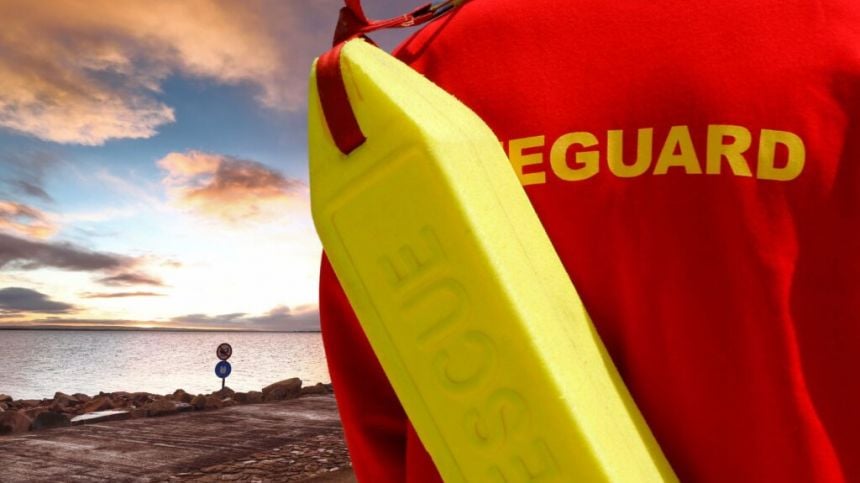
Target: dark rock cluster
point(17, 416)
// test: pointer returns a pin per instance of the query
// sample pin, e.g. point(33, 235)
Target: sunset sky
point(153, 167)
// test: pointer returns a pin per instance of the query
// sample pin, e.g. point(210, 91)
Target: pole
point(222, 382)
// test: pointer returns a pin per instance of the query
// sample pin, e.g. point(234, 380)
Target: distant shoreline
point(150, 329)
point(20, 415)
point(37, 363)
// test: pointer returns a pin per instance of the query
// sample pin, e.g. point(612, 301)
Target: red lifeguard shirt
point(697, 167)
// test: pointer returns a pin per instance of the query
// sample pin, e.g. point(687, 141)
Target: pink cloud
point(130, 278)
point(227, 188)
point(26, 220)
point(88, 72)
point(115, 295)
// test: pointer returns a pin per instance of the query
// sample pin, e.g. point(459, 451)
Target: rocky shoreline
point(22, 415)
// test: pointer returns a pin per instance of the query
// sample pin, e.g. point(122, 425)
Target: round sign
point(224, 351)
point(223, 369)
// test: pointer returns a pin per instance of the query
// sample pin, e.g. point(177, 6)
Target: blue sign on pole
point(223, 369)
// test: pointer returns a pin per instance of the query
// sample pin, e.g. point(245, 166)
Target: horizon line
point(94, 328)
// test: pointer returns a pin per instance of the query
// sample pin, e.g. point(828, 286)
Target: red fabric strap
point(353, 22)
point(338, 112)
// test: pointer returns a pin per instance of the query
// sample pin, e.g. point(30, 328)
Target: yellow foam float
point(461, 294)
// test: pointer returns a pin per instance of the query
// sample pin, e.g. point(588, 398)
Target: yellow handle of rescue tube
point(461, 294)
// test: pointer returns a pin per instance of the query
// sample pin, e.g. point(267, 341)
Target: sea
point(34, 364)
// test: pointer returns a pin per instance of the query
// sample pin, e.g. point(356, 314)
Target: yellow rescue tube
point(461, 294)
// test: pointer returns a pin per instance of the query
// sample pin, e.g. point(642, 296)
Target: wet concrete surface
point(290, 440)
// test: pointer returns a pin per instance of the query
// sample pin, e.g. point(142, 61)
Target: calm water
point(35, 364)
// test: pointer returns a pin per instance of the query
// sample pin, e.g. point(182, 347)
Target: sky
point(153, 162)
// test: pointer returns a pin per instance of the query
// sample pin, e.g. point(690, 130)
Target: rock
point(28, 403)
point(68, 410)
point(183, 407)
point(250, 397)
point(255, 397)
point(141, 398)
point(229, 402)
point(318, 388)
point(213, 402)
point(12, 422)
point(5, 399)
point(4, 406)
point(101, 403)
point(100, 417)
point(286, 389)
point(198, 402)
point(50, 419)
point(33, 412)
point(82, 397)
point(62, 401)
point(224, 393)
point(137, 413)
point(182, 396)
point(161, 407)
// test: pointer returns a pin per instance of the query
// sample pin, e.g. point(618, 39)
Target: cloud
point(134, 188)
point(170, 263)
point(130, 278)
point(228, 188)
point(114, 295)
point(89, 72)
point(24, 173)
point(119, 270)
point(78, 323)
point(30, 189)
point(281, 318)
point(26, 220)
point(17, 300)
point(306, 318)
point(30, 254)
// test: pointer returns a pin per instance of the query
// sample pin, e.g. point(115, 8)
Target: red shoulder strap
point(338, 113)
point(354, 23)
